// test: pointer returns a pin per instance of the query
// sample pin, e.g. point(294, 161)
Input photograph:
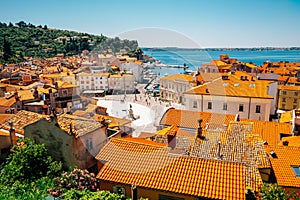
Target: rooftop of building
point(268, 131)
point(238, 84)
point(283, 159)
point(179, 174)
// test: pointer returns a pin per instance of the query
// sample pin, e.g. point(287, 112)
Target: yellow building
point(288, 97)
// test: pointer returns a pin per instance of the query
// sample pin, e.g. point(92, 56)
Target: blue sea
point(195, 58)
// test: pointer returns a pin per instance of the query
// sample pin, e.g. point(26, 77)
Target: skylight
point(252, 85)
point(236, 84)
point(296, 170)
point(225, 84)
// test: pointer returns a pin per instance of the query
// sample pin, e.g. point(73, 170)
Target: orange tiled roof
point(22, 119)
point(293, 141)
point(268, 131)
point(288, 87)
point(233, 87)
point(237, 144)
point(64, 85)
point(178, 77)
point(7, 102)
point(282, 165)
point(4, 117)
point(188, 119)
point(152, 166)
point(25, 95)
point(80, 125)
point(217, 63)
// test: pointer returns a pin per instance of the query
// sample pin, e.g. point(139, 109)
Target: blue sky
point(185, 23)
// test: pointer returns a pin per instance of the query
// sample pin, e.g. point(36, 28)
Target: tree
point(7, 52)
point(21, 24)
point(45, 27)
point(28, 162)
point(273, 191)
point(10, 24)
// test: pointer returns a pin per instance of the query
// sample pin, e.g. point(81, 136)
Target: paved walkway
point(146, 109)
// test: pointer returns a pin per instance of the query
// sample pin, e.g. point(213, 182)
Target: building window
point(296, 170)
point(224, 106)
point(294, 106)
point(296, 93)
point(195, 104)
point(241, 108)
point(209, 105)
point(284, 92)
point(257, 109)
point(119, 190)
point(295, 100)
point(283, 99)
point(283, 106)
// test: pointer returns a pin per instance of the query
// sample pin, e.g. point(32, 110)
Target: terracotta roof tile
point(152, 166)
point(233, 87)
point(268, 131)
point(178, 77)
point(293, 141)
point(80, 125)
point(282, 165)
point(4, 117)
point(22, 119)
point(7, 102)
point(238, 144)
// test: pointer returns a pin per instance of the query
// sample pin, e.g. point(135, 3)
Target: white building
point(172, 87)
point(234, 94)
point(120, 83)
point(135, 68)
point(96, 81)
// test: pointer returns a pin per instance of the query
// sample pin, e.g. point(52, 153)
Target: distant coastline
point(220, 49)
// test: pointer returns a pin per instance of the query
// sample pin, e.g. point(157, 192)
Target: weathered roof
point(268, 131)
point(22, 119)
point(237, 144)
point(80, 125)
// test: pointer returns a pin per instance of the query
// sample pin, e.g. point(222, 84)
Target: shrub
point(76, 179)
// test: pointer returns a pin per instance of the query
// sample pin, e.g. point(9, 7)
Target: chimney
point(252, 78)
point(219, 151)
point(285, 143)
point(237, 118)
point(206, 90)
point(225, 77)
point(12, 134)
point(71, 129)
point(246, 78)
point(207, 126)
point(273, 154)
point(242, 78)
point(171, 139)
point(199, 130)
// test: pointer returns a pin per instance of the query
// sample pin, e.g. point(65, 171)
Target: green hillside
point(21, 40)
